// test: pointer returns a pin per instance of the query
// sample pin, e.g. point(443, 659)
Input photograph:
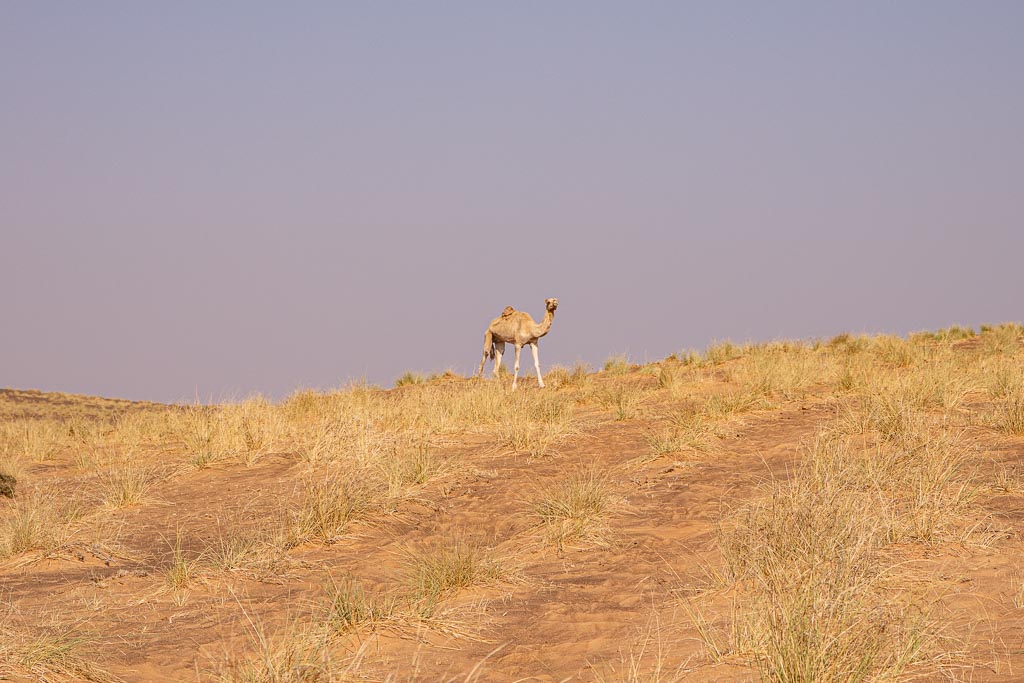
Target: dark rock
point(7, 483)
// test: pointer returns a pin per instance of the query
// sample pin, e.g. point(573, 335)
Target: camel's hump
point(507, 312)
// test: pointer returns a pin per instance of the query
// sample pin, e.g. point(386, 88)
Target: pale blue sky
point(225, 198)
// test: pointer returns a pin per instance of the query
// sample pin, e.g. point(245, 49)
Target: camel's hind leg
point(488, 351)
point(515, 376)
point(499, 348)
point(536, 364)
point(480, 372)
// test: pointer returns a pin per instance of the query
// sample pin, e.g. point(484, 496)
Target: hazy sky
point(214, 199)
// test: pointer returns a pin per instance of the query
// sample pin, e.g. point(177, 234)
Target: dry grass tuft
point(689, 429)
point(820, 599)
point(238, 546)
point(559, 377)
point(409, 466)
point(180, 571)
point(783, 369)
point(623, 398)
point(39, 520)
point(33, 440)
point(617, 365)
point(721, 351)
point(576, 508)
point(438, 572)
point(329, 503)
point(895, 352)
point(295, 653)
point(722, 406)
point(646, 661)
point(410, 378)
point(126, 485)
point(848, 344)
point(536, 426)
point(199, 431)
point(1007, 414)
point(1001, 340)
point(349, 607)
point(50, 654)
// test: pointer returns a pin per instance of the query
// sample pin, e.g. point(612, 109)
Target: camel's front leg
point(499, 348)
point(515, 376)
point(536, 364)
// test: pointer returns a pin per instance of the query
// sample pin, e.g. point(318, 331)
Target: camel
point(519, 329)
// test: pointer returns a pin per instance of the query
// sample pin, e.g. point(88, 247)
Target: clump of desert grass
point(201, 435)
point(408, 466)
point(783, 370)
point(39, 520)
point(436, 572)
point(719, 352)
point(730, 404)
point(56, 652)
point(669, 378)
point(126, 484)
point(577, 377)
point(232, 551)
point(677, 378)
point(32, 440)
point(536, 426)
point(297, 652)
point(351, 607)
point(180, 571)
point(247, 431)
point(848, 344)
point(1008, 415)
point(895, 352)
point(617, 365)
point(698, 426)
point(1001, 340)
point(648, 658)
point(948, 335)
point(410, 378)
point(1007, 479)
point(241, 546)
point(624, 398)
point(329, 502)
point(687, 431)
point(822, 593)
point(576, 508)
point(1004, 383)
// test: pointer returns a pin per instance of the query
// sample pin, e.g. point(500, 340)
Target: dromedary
point(518, 328)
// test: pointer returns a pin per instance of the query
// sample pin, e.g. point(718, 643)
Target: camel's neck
point(545, 324)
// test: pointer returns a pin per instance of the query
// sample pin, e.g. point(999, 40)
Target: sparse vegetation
point(38, 520)
point(180, 571)
point(126, 485)
point(820, 472)
point(617, 365)
point(722, 351)
point(437, 572)
point(350, 607)
point(575, 508)
point(410, 378)
point(329, 503)
point(536, 428)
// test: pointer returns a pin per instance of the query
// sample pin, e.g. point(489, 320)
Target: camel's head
point(551, 304)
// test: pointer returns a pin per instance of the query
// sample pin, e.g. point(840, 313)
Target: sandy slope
point(579, 612)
